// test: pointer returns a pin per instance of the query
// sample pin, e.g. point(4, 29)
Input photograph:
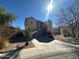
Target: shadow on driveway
point(13, 54)
point(43, 38)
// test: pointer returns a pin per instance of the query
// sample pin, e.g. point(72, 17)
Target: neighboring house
point(65, 31)
point(56, 31)
point(37, 25)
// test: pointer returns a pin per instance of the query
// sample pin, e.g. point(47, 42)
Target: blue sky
point(35, 8)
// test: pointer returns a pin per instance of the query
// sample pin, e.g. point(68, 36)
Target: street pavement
point(53, 50)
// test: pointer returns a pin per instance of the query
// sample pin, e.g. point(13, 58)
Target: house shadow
point(43, 38)
point(19, 37)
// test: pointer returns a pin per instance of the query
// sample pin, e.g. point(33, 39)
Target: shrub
point(8, 32)
point(4, 43)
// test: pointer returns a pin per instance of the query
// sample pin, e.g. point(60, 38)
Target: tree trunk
point(73, 33)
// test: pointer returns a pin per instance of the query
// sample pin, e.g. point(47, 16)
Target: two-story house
point(37, 24)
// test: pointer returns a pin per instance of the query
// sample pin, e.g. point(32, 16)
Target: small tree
point(28, 33)
point(6, 17)
point(5, 21)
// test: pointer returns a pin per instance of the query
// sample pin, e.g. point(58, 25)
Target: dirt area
point(66, 39)
point(59, 37)
point(13, 46)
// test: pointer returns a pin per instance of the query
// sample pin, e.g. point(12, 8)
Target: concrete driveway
point(53, 50)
